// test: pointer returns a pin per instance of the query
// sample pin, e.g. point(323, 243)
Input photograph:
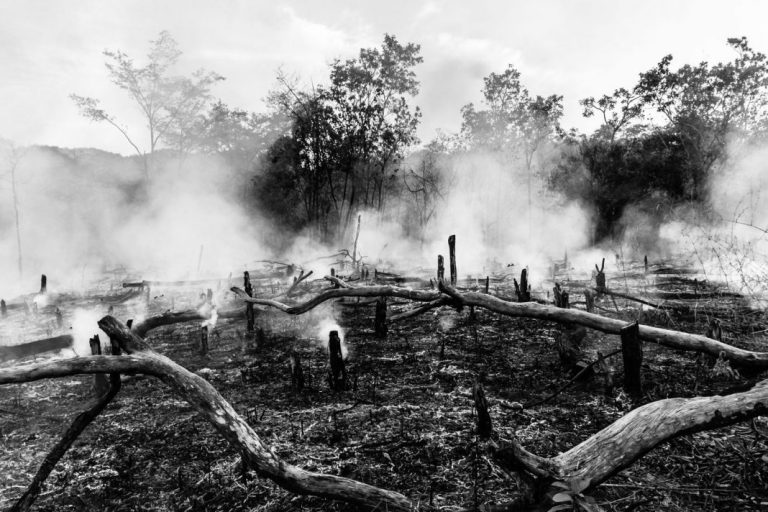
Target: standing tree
point(169, 104)
point(513, 125)
point(13, 156)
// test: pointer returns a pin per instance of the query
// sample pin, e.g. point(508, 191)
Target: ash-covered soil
point(407, 425)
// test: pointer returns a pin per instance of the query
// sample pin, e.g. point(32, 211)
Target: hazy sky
point(49, 49)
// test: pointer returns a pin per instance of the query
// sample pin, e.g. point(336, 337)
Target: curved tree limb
point(142, 328)
point(673, 339)
point(204, 397)
point(636, 433)
point(70, 436)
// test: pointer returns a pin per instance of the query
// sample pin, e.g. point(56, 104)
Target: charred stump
point(204, 340)
point(440, 268)
point(249, 312)
point(297, 373)
point(43, 284)
point(100, 380)
point(338, 376)
point(452, 256)
point(561, 297)
point(3, 308)
point(600, 276)
point(487, 284)
point(523, 289)
point(484, 425)
point(632, 351)
point(380, 322)
point(589, 298)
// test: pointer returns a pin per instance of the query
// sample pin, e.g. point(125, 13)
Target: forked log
point(633, 435)
point(673, 339)
point(208, 401)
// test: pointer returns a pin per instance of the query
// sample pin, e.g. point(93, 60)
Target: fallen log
point(673, 339)
point(169, 318)
point(32, 348)
point(208, 401)
point(633, 435)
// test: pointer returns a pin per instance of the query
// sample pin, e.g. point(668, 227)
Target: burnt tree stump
point(100, 380)
point(3, 308)
point(452, 256)
point(632, 351)
point(600, 276)
point(249, 312)
point(43, 284)
point(561, 297)
point(297, 373)
point(440, 268)
point(589, 298)
point(487, 284)
point(484, 425)
point(380, 321)
point(337, 379)
point(204, 340)
point(523, 289)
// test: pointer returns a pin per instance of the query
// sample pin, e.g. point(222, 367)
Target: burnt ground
point(408, 425)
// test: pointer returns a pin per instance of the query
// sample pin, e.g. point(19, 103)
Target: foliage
point(169, 104)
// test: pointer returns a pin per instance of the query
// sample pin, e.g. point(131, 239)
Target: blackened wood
point(380, 322)
point(100, 381)
point(43, 284)
point(452, 256)
point(484, 425)
point(600, 276)
point(35, 347)
point(204, 339)
point(561, 297)
point(338, 375)
point(3, 308)
point(632, 351)
point(129, 323)
point(297, 373)
point(487, 283)
point(523, 289)
point(249, 311)
point(440, 268)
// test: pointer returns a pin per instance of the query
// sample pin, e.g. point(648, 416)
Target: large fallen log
point(673, 339)
point(635, 434)
point(32, 348)
point(208, 401)
point(169, 318)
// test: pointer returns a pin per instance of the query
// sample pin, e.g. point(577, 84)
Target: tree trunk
point(632, 351)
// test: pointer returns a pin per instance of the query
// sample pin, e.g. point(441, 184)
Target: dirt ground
point(407, 425)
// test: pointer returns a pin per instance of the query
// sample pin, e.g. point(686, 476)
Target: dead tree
point(630, 437)
point(380, 322)
point(440, 268)
point(337, 378)
point(632, 351)
point(249, 313)
point(600, 277)
point(523, 289)
point(561, 297)
point(204, 340)
point(484, 425)
point(100, 384)
point(297, 373)
point(140, 358)
point(452, 256)
point(43, 284)
point(32, 348)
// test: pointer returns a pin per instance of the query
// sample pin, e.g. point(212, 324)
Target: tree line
point(317, 156)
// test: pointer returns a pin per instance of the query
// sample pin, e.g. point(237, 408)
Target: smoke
point(322, 330)
point(82, 211)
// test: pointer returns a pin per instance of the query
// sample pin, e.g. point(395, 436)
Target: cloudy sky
point(49, 49)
